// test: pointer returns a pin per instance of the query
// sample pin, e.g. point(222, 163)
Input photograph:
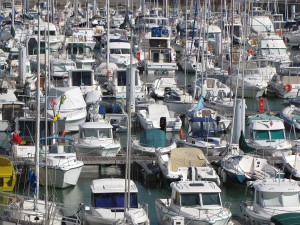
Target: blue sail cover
point(114, 200)
point(153, 138)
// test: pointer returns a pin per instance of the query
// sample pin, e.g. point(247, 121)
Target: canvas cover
point(73, 98)
point(186, 157)
point(153, 138)
point(286, 219)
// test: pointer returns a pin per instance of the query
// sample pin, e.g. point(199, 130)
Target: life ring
point(181, 134)
point(288, 87)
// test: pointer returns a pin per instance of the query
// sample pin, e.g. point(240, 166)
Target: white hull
point(60, 178)
point(180, 108)
point(152, 150)
point(109, 151)
point(216, 216)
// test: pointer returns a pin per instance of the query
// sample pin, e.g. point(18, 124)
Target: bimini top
point(111, 185)
point(276, 185)
point(195, 187)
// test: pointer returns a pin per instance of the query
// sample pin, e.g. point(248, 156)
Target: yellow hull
point(7, 175)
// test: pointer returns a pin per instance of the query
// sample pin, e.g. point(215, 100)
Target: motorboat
point(7, 174)
point(286, 83)
point(156, 116)
point(291, 116)
point(206, 134)
point(63, 168)
point(198, 202)
point(153, 141)
point(270, 197)
point(160, 85)
point(291, 165)
point(186, 163)
point(68, 107)
point(96, 138)
point(243, 168)
point(108, 202)
point(267, 135)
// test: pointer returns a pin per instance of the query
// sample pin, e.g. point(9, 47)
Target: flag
point(62, 99)
point(12, 31)
point(53, 102)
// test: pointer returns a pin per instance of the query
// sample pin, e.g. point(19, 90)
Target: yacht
point(156, 54)
point(108, 204)
point(198, 202)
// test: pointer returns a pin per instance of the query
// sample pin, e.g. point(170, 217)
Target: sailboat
point(114, 200)
point(27, 209)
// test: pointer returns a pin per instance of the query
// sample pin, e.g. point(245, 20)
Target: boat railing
point(12, 210)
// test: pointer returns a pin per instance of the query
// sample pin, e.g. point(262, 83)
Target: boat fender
point(181, 134)
point(288, 87)
point(63, 133)
point(220, 172)
point(224, 177)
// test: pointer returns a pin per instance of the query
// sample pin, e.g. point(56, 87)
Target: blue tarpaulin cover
point(153, 138)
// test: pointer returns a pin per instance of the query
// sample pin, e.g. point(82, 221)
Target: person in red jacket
point(16, 138)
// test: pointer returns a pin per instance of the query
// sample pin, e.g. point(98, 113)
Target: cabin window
point(122, 78)
point(271, 199)
point(114, 200)
point(290, 199)
point(98, 133)
point(277, 134)
point(81, 78)
point(190, 199)
point(210, 199)
point(155, 56)
point(261, 135)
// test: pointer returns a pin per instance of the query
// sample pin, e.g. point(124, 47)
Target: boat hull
point(60, 178)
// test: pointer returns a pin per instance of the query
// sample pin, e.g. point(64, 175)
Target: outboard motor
point(163, 123)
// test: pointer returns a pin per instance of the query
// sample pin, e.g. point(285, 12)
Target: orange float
point(288, 87)
point(181, 134)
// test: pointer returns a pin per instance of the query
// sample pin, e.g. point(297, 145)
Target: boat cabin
point(96, 130)
point(110, 193)
point(201, 194)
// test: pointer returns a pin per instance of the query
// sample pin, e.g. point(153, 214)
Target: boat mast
point(37, 129)
point(107, 33)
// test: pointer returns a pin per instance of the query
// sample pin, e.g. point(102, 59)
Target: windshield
point(96, 132)
point(193, 199)
point(278, 199)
